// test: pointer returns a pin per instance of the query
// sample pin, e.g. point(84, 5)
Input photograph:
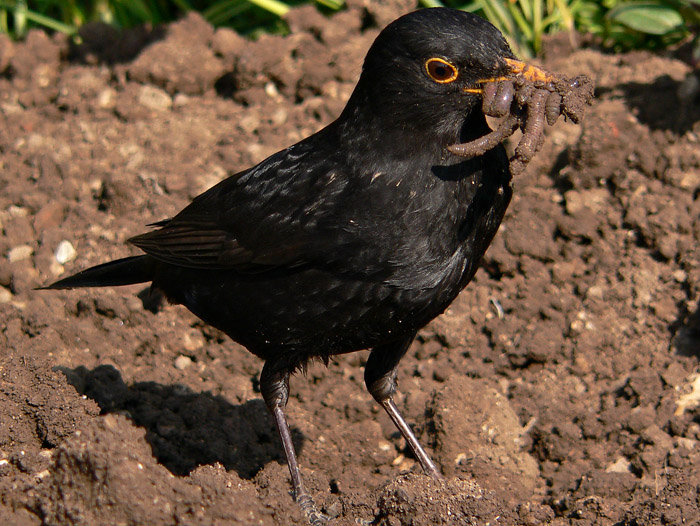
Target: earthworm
point(497, 98)
point(552, 107)
point(533, 127)
point(524, 94)
point(529, 98)
point(471, 149)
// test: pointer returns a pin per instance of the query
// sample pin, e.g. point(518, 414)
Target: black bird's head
point(423, 72)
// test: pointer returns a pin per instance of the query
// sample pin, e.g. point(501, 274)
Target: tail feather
point(126, 271)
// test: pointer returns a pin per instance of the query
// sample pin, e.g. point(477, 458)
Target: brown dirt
point(562, 385)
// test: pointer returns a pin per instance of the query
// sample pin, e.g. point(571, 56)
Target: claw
point(313, 515)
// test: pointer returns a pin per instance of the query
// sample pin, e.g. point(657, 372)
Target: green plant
point(246, 16)
point(650, 24)
point(524, 22)
point(16, 17)
point(618, 24)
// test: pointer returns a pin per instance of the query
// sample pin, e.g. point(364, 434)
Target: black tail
point(127, 271)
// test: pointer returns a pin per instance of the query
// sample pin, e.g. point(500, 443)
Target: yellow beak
point(517, 67)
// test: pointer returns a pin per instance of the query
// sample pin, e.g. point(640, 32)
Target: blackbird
point(355, 237)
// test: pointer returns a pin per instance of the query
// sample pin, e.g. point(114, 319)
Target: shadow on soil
point(187, 429)
point(102, 43)
point(687, 336)
point(659, 106)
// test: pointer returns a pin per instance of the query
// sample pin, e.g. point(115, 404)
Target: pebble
point(621, 465)
point(107, 98)
point(182, 362)
point(595, 292)
point(5, 295)
point(181, 100)
point(18, 211)
point(20, 253)
point(680, 275)
point(271, 90)
point(193, 340)
point(65, 252)
point(155, 99)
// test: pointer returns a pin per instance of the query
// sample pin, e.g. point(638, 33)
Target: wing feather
point(250, 222)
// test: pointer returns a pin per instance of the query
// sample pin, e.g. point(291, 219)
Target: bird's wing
point(259, 219)
point(194, 244)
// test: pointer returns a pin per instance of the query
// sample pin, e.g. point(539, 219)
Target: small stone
point(11, 108)
point(111, 422)
point(17, 211)
point(193, 340)
point(65, 252)
point(595, 292)
point(155, 99)
point(20, 253)
point(107, 98)
point(271, 90)
point(680, 275)
point(5, 295)
point(621, 465)
point(182, 362)
point(181, 100)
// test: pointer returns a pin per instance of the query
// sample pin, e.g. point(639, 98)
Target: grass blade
point(273, 6)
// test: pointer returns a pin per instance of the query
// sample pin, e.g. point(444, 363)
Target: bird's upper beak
point(530, 72)
point(516, 67)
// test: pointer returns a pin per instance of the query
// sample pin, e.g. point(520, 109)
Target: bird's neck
point(397, 131)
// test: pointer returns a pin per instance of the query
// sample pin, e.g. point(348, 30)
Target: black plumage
point(355, 237)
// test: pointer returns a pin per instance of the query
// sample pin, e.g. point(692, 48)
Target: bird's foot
point(313, 515)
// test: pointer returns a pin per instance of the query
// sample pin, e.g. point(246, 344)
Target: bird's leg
point(274, 387)
point(380, 378)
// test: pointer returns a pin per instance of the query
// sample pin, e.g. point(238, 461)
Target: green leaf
point(139, 9)
point(647, 17)
point(431, 3)
point(335, 5)
point(273, 6)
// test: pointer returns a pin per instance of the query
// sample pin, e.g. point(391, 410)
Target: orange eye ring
point(440, 70)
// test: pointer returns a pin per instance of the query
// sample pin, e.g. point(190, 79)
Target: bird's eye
point(440, 70)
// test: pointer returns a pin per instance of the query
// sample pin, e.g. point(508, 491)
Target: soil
point(562, 386)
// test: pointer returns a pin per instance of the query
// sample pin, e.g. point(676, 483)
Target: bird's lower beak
point(517, 67)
